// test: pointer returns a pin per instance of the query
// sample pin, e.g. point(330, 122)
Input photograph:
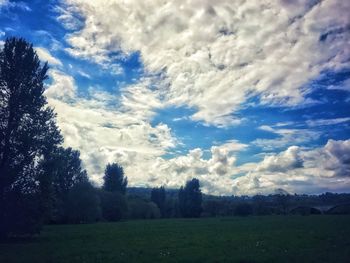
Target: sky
point(248, 96)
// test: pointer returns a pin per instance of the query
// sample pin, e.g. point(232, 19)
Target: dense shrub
point(343, 209)
point(305, 210)
point(141, 209)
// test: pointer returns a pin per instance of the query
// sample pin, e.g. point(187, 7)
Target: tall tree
point(62, 171)
point(114, 179)
point(158, 196)
point(190, 199)
point(28, 133)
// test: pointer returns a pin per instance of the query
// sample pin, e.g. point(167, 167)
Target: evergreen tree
point(158, 197)
point(28, 133)
point(190, 199)
point(114, 179)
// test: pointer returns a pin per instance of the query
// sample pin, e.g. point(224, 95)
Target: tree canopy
point(114, 179)
point(190, 199)
point(158, 196)
point(28, 132)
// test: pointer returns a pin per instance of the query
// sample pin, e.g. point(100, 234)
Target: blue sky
point(248, 97)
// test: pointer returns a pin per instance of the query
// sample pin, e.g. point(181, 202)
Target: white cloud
point(286, 137)
point(63, 86)
point(216, 54)
point(285, 161)
point(67, 18)
point(325, 122)
point(4, 3)
point(21, 5)
point(45, 55)
point(107, 129)
point(84, 74)
point(214, 173)
point(300, 170)
point(211, 56)
point(344, 85)
point(295, 170)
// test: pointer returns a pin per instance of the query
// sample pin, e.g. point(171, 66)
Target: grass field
point(251, 239)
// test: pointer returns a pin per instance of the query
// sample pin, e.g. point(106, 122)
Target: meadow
point(234, 239)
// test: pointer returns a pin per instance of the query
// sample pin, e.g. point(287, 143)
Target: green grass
point(251, 239)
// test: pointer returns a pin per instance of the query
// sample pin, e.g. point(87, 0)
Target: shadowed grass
point(251, 239)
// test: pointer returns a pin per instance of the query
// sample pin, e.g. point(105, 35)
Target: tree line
point(42, 182)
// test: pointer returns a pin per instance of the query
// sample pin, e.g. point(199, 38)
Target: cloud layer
point(216, 55)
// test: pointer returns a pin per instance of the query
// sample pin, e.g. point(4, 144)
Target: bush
point(343, 209)
point(141, 209)
point(305, 210)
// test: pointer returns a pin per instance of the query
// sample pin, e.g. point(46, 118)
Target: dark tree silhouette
point(82, 204)
point(158, 196)
point(62, 171)
point(28, 133)
point(114, 179)
point(282, 198)
point(190, 199)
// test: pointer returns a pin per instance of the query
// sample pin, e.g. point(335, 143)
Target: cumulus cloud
point(63, 86)
point(296, 170)
point(334, 158)
point(290, 159)
point(214, 173)
point(299, 170)
point(214, 55)
point(106, 128)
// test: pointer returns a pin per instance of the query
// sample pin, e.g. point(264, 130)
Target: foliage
point(21, 215)
point(82, 204)
point(304, 210)
point(213, 208)
point(28, 133)
point(141, 209)
point(243, 209)
point(283, 200)
point(342, 209)
point(63, 170)
point(113, 205)
point(114, 179)
point(158, 196)
point(190, 199)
